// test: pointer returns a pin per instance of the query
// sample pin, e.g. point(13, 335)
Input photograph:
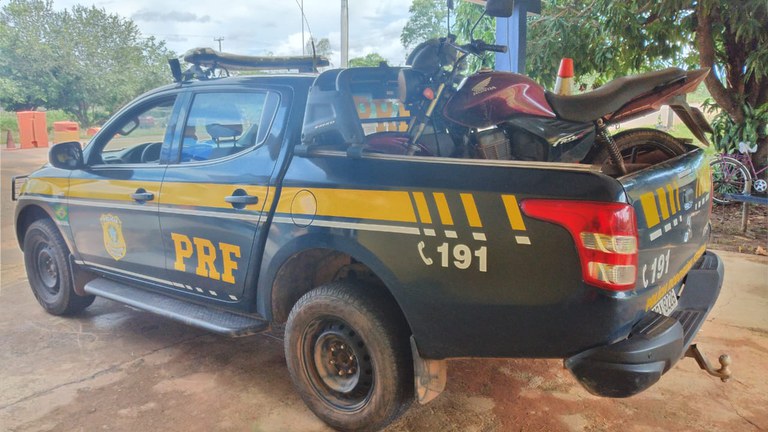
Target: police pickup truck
point(213, 202)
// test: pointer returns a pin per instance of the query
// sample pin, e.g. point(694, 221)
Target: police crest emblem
point(114, 242)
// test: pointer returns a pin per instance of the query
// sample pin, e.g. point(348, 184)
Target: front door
point(213, 197)
point(113, 201)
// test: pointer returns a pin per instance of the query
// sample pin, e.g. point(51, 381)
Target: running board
point(206, 318)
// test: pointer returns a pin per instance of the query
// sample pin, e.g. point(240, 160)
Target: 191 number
point(460, 256)
point(659, 268)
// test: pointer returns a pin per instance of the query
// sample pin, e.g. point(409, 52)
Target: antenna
point(311, 37)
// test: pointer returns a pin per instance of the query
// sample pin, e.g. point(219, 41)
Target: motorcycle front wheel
point(640, 148)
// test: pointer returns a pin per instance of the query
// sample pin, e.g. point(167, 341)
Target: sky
point(262, 27)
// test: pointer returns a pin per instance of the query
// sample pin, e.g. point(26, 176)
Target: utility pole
point(303, 44)
point(344, 33)
point(218, 39)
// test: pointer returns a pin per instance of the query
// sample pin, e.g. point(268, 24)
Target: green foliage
point(83, 60)
point(467, 15)
point(322, 47)
point(728, 133)
point(370, 60)
point(428, 20)
point(8, 122)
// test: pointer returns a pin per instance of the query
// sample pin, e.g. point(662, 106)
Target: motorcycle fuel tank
point(489, 98)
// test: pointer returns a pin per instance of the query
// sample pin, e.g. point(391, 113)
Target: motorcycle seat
point(609, 98)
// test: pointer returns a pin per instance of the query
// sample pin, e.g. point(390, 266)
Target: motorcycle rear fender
point(692, 117)
point(672, 94)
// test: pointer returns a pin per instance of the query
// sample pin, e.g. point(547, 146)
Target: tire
point(641, 146)
point(729, 175)
point(46, 260)
point(350, 330)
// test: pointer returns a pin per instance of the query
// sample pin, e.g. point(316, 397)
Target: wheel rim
point(727, 177)
point(47, 269)
point(338, 364)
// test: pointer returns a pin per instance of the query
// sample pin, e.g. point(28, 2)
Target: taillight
point(605, 235)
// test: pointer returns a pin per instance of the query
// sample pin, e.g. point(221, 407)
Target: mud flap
point(429, 376)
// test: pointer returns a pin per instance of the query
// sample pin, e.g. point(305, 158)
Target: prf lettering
point(206, 253)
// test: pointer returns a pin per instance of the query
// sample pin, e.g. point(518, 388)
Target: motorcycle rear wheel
point(640, 148)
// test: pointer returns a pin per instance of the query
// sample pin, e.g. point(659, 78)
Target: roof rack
point(206, 60)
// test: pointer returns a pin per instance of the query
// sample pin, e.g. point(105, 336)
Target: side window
point(140, 135)
point(224, 124)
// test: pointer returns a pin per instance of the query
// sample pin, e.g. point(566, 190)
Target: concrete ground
point(118, 369)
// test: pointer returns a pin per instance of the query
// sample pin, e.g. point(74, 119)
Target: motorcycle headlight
point(410, 85)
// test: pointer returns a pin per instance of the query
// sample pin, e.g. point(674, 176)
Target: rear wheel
point(641, 148)
point(348, 354)
point(729, 176)
point(45, 257)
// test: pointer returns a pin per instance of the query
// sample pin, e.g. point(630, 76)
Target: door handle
point(141, 195)
point(240, 198)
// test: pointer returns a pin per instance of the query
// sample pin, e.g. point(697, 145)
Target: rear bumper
point(656, 343)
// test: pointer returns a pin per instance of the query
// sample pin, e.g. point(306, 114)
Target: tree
point(370, 60)
point(322, 47)
point(609, 39)
point(83, 61)
point(428, 20)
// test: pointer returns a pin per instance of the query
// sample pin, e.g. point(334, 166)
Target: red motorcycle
point(502, 115)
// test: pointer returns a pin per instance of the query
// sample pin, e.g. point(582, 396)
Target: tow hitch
point(724, 373)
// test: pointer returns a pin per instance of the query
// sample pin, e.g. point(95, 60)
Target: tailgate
point(672, 204)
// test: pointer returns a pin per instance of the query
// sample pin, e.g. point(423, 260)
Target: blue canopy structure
point(512, 32)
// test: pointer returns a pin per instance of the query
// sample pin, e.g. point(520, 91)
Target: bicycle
point(734, 173)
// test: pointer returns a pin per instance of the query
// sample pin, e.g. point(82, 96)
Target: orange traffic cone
point(9, 144)
point(564, 83)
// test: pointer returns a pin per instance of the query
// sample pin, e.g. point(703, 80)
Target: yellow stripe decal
point(672, 204)
point(513, 212)
point(115, 190)
point(394, 206)
point(663, 203)
point(677, 196)
point(54, 186)
point(472, 215)
point(421, 206)
point(650, 210)
point(208, 194)
point(442, 208)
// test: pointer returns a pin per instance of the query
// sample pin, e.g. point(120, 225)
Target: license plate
point(667, 304)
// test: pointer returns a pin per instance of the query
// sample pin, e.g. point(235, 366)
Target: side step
point(214, 320)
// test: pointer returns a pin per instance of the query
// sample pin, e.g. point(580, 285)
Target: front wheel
point(729, 176)
point(348, 355)
point(641, 148)
point(46, 259)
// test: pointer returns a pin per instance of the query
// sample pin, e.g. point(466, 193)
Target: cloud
point(256, 27)
point(148, 15)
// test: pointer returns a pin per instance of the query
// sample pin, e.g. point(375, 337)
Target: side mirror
point(499, 8)
point(66, 155)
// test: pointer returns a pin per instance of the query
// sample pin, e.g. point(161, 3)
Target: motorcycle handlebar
point(482, 46)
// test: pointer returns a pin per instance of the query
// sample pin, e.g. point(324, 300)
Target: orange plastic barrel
point(64, 131)
point(33, 132)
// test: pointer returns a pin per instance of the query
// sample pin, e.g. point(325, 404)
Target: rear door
point(214, 195)
point(113, 201)
point(672, 204)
